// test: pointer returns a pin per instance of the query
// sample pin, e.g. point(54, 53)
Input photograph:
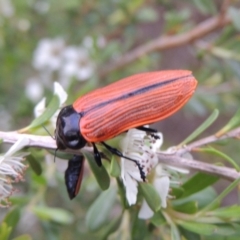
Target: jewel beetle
point(131, 102)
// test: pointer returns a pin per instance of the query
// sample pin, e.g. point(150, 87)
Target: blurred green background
point(76, 43)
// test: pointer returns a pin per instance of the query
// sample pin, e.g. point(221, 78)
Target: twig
point(210, 139)
point(174, 159)
point(166, 42)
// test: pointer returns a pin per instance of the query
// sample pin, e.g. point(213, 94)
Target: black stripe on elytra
point(134, 93)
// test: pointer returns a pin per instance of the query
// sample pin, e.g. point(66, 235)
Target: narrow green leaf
point(100, 173)
point(53, 214)
point(5, 231)
point(223, 194)
point(199, 228)
point(175, 234)
point(189, 235)
point(62, 155)
point(188, 207)
point(197, 183)
point(225, 53)
point(233, 123)
point(226, 212)
point(115, 169)
point(220, 154)
point(234, 14)
point(12, 218)
point(34, 164)
point(205, 6)
point(151, 195)
point(158, 219)
point(177, 192)
point(225, 230)
point(208, 122)
point(203, 198)
point(111, 227)
point(47, 114)
point(23, 237)
point(98, 213)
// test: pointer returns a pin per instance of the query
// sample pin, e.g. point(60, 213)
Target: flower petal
point(60, 92)
point(40, 108)
point(162, 186)
point(145, 211)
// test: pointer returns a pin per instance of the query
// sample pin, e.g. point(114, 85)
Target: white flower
point(47, 55)
point(34, 89)
point(76, 63)
point(162, 183)
point(6, 8)
point(41, 106)
point(11, 169)
point(141, 147)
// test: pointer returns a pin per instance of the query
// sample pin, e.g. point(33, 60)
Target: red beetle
point(128, 103)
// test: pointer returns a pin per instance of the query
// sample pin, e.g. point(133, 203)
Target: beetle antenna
point(55, 153)
point(118, 153)
point(48, 132)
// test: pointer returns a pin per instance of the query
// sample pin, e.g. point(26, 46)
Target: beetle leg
point(97, 155)
point(119, 154)
point(146, 129)
point(149, 130)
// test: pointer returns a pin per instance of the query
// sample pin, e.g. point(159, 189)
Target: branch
point(173, 159)
point(166, 42)
point(235, 133)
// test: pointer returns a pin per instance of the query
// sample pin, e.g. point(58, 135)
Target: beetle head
point(67, 131)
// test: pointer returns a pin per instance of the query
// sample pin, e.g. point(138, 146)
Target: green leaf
point(98, 213)
point(208, 122)
point(188, 207)
point(207, 229)
point(111, 227)
point(151, 195)
point(115, 169)
point(147, 14)
point(189, 235)
point(23, 237)
point(203, 198)
point(175, 234)
point(62, 155)
point(53, 214)
point(158, 219)
point(177, 192)
point(46, 115)
point(100, 173)
point(223, 194)
point(5, 231)
point(199, 228)
point(34, 164)
point(197, 183)
point(232, 212)
point(233, 123)
point(220, 154)
point(12, 218)
point(234, 14)
point(205, 6)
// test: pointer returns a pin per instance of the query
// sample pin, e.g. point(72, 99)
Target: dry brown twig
point(175, 159)
point(166, 42)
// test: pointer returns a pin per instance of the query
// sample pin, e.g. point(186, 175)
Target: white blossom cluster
point(140, 146)
point(55, 60)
